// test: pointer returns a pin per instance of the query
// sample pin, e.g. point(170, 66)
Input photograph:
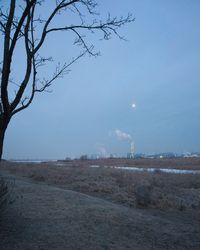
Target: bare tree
point(21, 23)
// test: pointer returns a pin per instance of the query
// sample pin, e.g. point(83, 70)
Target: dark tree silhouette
point(21, 23)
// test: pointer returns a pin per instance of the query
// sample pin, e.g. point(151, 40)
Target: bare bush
point(143, 195)
point(4, 194)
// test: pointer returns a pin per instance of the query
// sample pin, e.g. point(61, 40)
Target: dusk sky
point(145, 89)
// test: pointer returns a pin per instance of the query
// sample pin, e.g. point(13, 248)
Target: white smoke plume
point(102, 151)
point(122, 135)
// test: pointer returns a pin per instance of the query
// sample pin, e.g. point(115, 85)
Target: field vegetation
point(133, 189)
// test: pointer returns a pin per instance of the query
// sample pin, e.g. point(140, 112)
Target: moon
point(133, 105)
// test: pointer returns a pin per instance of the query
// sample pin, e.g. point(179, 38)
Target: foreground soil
point(47, 217)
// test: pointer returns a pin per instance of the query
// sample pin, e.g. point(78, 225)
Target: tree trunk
point(3, 127)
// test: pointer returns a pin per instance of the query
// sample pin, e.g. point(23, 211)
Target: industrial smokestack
point(132, 153)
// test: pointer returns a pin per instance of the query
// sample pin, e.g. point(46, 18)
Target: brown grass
point(4, 194)
point(178, 163)
point(134, 189)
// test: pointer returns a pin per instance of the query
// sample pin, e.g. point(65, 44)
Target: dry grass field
point(133, 189)
point(178, 163)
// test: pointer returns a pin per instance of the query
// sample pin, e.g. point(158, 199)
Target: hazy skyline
point(144, 90)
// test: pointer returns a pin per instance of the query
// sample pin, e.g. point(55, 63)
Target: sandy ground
point(47, 217)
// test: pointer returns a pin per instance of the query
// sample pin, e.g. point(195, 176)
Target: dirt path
point(46, 217)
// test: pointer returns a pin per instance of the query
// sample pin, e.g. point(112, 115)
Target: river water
point(165, 170)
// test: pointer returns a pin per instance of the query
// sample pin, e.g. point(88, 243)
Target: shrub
point(143, 195)
point(4, 194)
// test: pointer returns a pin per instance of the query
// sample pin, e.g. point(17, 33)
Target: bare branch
point(111, 25)
point(25, 27)
point(90, 6)
point(7, 60)
point(21, 22)
point(60, 6)
point(3, 27)
point(80, 41)
point(59, 72)
point(30, 99)
point(41, 61)
point(29, 59)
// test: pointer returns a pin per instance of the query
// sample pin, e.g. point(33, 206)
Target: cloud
point(122, 135)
